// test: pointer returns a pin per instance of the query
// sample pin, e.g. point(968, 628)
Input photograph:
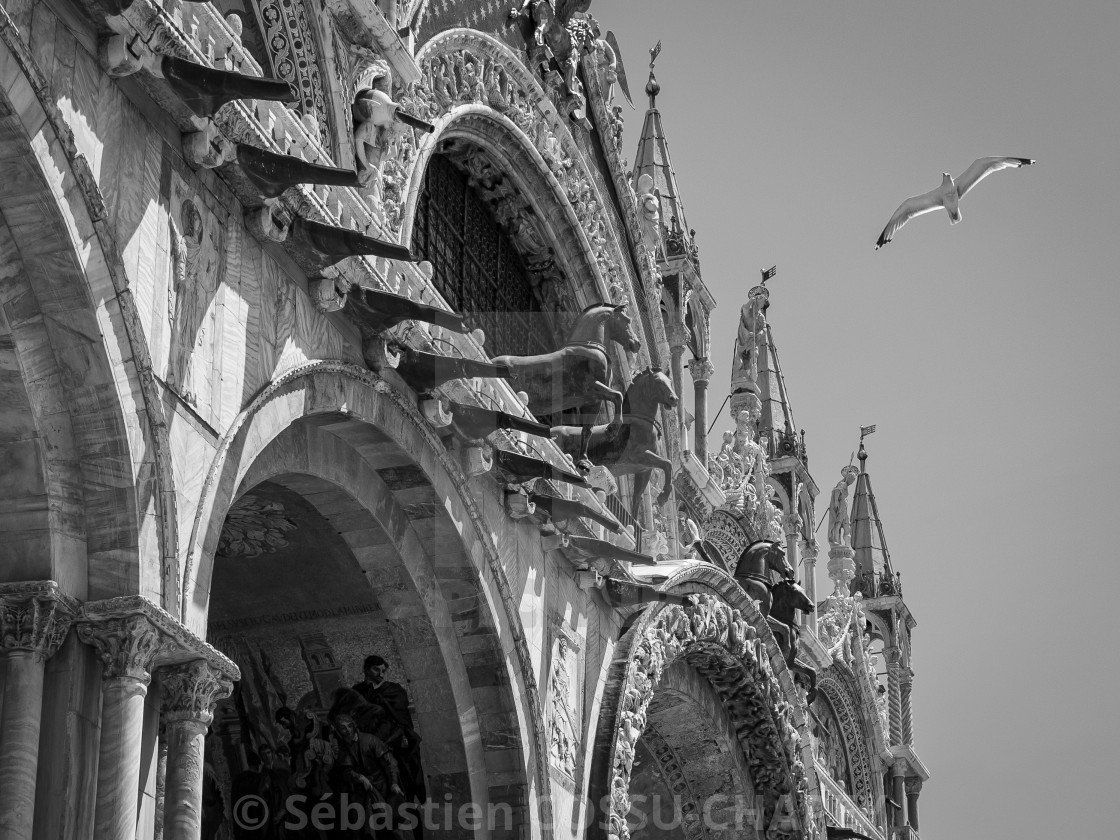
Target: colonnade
point(134, 641)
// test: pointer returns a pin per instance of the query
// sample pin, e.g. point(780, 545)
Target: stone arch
point(337, 424)
point(732, 647)
point(76, 330)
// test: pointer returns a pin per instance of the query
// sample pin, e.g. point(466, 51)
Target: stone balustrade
point(842, 810)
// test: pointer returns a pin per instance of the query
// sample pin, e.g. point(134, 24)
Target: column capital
point(190, 691)
point(791, 524)
point(127, 645)
point(34, 617)
point(808, 550)
point(702, 370)
point(913, 785)
point(676, 334)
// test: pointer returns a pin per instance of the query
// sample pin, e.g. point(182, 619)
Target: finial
point(864, 431)
point(652, 86)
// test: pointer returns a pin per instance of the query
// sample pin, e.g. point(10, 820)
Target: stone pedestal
point(34, 620)
point(127, 646)
point(841, 568)
point(189, 694)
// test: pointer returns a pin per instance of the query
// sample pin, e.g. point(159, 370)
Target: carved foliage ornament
point(728, 651)
point(126, 645)
point(254, 527)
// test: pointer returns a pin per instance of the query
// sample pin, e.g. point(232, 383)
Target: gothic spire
point(652, 158)
point(875, 575)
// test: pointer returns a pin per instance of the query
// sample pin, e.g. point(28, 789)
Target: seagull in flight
point(948, 194)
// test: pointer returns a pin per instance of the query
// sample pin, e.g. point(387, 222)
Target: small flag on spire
point(768, 273)
point(864, 431)
point(654, 53)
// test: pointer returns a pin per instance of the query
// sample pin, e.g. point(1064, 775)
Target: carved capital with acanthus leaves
point(808, 550)
point(190, 690)
point(126, 645)
point(702, 370)
point(34, 618)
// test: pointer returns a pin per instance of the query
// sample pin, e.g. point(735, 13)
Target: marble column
point(906, 683)
point(127, 645)
point(809, 558)
point(34, 620)
point(913, 788)
point(190, 692)
point(702, 370)
point(893, 655)
point(898, 772)
point(678, 342)
point(791, 527)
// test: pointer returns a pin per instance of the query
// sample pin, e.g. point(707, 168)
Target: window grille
point(476, 267)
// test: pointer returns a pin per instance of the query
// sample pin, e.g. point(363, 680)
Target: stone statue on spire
point(748, 341)
point(839, 525)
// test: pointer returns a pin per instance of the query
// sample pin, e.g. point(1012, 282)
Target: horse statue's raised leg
point(604, 392)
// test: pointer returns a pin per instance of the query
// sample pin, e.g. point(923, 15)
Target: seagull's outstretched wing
point(985, 166)
point(911, 207)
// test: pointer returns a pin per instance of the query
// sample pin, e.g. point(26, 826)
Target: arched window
point(476, 267)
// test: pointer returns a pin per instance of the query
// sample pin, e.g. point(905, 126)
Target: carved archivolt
point(726, 648)
point(838, 686)
point(466, 72)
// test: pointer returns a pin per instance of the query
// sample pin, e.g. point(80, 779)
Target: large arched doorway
point(366, 547)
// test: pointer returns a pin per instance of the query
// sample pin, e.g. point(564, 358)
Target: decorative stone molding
point(192, 689)
point(34, 617)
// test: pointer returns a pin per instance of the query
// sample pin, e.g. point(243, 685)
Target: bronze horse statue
point(789, 598)
point(753, 570)
point(628, 444)
point(578, 375)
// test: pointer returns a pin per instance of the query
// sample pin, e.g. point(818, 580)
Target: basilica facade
point(355, 477)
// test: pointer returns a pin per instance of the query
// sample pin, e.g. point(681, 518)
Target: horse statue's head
point(788, 596)
point(609, 321)
point(762, 557)
point(651, 388)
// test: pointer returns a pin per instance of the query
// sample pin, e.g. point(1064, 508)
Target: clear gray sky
point(985, 352)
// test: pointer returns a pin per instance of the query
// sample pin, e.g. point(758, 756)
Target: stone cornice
point(133, 636)
point(34, 617)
